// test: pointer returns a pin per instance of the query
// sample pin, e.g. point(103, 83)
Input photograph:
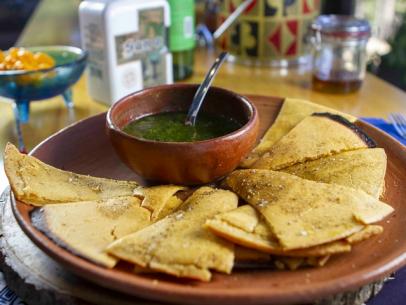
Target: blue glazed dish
point(26, 86)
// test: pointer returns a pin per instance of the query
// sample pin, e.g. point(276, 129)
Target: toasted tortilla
point(294, 263)
point(87, 228)
point(251, 258)
point(259, 236)
point(364, 234)
point(362, 169)
point(160, 200)
point(37, 183)
point(291, 113)
point(303, 213)
point(317, 261)
point(179, 244)
point(316, 136)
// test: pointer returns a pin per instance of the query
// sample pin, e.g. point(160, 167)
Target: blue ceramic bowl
point(26, 86)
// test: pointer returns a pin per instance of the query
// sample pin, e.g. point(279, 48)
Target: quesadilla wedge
point(87, 228)
point(291, 113)
point(303, 213)
point(362, 169)
point(364, 234)
point(160, 200)
point(37, 183)
point(251, 258)
point(179, 244)
point(260, 237)
point(316, 136)
point(294, 263)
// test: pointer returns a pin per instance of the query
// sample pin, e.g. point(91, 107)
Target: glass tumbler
point(339, 57)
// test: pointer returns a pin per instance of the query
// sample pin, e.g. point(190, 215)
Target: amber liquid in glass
point(336, 86)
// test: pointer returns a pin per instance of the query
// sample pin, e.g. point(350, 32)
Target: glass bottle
point(182, 37)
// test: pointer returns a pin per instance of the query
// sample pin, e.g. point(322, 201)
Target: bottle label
point(182, 30)
point(149, 40)
point(147, 45)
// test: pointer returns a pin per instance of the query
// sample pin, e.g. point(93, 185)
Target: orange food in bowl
point(23, 59)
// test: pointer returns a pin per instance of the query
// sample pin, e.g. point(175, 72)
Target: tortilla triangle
point(87, 228)
point(251, 258)
point(362, 169)
point(160, 200)
point(291, 113)
point(37, 183)
point(316, 136)
point(178, 244)
point(303, 213)
point(260, 235)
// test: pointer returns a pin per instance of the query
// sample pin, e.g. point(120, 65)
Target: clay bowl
point(186, 163)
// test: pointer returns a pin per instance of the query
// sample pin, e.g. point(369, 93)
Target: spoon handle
point(233, 17)
point(203, 89)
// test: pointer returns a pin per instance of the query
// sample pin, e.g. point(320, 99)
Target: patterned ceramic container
point(270, 32)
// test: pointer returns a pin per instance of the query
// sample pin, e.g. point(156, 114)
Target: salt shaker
point(339, 57)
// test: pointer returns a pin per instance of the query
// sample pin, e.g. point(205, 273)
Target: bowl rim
point(250, 123)
point(83, 54)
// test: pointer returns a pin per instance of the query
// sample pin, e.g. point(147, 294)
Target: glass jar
point(339, 57)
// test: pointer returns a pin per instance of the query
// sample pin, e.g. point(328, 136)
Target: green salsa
point(170, 127)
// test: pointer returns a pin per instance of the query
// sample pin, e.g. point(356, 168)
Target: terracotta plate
point(84, 148)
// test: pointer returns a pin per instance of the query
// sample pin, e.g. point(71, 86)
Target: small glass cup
point(339, 57)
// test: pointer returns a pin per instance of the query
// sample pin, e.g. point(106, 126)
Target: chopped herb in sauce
point(170, 127)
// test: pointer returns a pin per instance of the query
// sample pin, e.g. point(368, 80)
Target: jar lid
point(341, 26)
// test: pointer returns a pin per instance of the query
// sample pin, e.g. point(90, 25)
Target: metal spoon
point(202, 90)
point(233, 17)
point(206, 38)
